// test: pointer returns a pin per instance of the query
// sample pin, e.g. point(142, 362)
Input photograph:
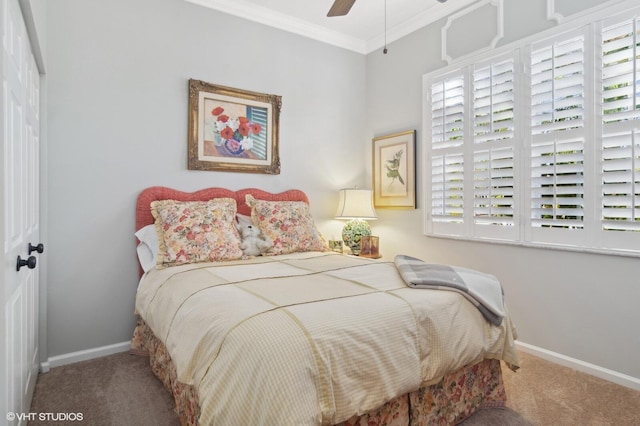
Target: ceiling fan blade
point(340, 7)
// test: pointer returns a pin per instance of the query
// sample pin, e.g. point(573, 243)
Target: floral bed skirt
point(458, 395)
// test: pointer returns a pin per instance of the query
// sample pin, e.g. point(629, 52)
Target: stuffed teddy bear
point(252, 242)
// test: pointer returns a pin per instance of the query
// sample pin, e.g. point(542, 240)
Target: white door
point(20, 217)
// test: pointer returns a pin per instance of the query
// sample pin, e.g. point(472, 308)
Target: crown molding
point(284, 22)
point(266, 16)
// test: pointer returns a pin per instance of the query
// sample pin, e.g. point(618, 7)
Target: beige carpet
point(118, 390)
point(121, 390)
point(549, 394)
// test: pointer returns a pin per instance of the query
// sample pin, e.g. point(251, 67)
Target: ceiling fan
point(342, 7)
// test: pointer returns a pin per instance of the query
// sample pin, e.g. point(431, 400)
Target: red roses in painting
point(236, 132)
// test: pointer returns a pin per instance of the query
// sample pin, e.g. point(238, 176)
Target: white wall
point(117, 101)
point(583, 306)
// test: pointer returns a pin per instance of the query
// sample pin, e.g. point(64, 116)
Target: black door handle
point(29, 263)
point(39, 248)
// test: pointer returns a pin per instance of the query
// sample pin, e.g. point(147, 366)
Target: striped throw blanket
point(483, 290)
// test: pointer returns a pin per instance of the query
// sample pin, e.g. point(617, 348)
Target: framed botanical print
point(232, 130)
point(394, 170)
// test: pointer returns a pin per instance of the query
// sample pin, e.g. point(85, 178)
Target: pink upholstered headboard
point(143, 210)
point(143, 205)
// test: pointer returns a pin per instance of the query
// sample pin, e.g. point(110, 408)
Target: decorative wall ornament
point(559, 10)
point(552, 15)
point(456, 40)
point(232, 130)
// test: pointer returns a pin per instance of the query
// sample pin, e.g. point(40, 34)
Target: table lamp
point(357, 206)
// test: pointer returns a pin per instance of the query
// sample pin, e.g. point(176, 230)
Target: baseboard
point(64, 359)
point(585, 367)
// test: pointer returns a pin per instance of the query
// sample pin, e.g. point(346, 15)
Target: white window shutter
point(557, 134)
point(557, 184)
point(493, 112)
point(447, 174)
point(447, 160)
point(494, 187)
point(447, 113)
point(620, 75)
point(557, 86)
point(621, 136)
point(493, 102)
point(621, 182)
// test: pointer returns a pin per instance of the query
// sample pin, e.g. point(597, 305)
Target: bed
point(300, 335)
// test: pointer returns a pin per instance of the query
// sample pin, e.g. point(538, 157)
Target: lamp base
point(353, 232)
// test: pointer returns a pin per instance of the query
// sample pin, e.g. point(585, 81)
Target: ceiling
point(362, 30)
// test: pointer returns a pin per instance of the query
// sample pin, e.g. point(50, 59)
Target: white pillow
point(148, 247)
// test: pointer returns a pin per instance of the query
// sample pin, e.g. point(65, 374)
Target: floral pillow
point(196, 231)
point(288, 224)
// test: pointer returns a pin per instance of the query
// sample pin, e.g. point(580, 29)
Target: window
point(540, 145)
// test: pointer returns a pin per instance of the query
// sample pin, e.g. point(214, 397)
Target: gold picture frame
point(232, 130)
point(394, 170)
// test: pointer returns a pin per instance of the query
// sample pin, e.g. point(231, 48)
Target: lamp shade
point(356, 204)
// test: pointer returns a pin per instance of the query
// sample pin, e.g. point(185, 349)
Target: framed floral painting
point(232, 130)
point(394, 170)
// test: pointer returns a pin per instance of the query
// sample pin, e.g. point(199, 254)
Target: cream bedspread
point(309, 338)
